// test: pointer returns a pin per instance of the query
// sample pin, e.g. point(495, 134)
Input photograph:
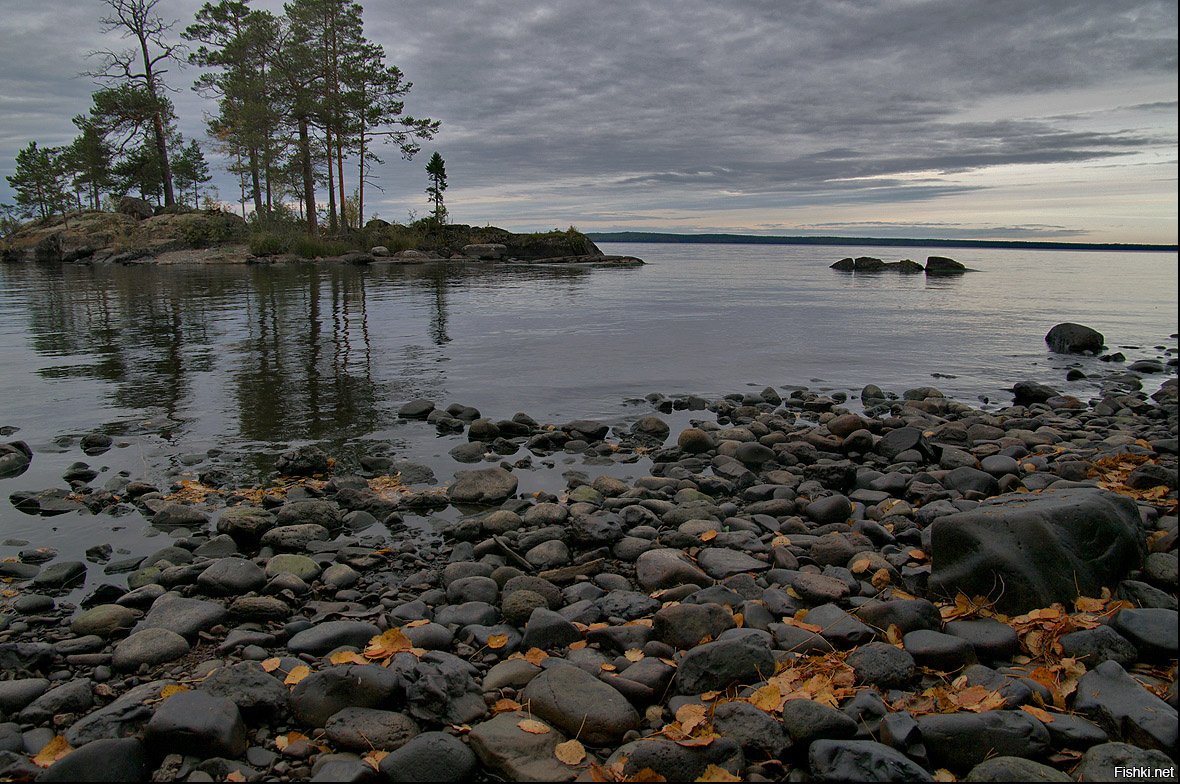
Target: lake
point(243, 361)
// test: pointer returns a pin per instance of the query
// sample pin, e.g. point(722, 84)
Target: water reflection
point(261, 354)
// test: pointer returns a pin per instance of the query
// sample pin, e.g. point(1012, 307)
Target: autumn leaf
point(917, 555)
point(416, 624)
point(535, 656)
point(861, 566)
point(373, 759)
point(894, 634)
point(271, 664)
point(780, 541)
point(880, 578)
point(235, 775)
point(978, 699)
point(768, 698)
point(942, 774)
point(51, 752)
point(172, 689)
point(1038, 713)
point(497, 641)
point(709, 535)
point(283, 741)
point(571, 752)
point(1088, 604)
point(717, 773)
point(691, 716)
point(347, 657)
point(533, 726)
point(385, 645)
point(505, 705)
point(297, 674)
point(578, 645)
point(633, 654)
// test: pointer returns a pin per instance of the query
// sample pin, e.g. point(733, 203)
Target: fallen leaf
point(505, 705)
point(347, 657)
point(387, 644)
point(416, 624)
point(894, 634)
point(917, 555)
point(709, 535)
point(535, 656)
point(497, 641)
point(297, 674)
point(572, 752)
point(172, 689)
point(373, 759)
point(533, 726)
point(283, 741)
point(578, 645)
point(942, 774)
point(691, 716)
point(860, 566)
point(235, 775)
point(880, 578)
point(51, 752)
point(717, 773)
point(1039, 713)
point(272, 664)
point(768, 698)
point(1088, 604)
point(633, 654)
point(607, 667)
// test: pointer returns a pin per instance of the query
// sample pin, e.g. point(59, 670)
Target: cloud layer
point(696, 116)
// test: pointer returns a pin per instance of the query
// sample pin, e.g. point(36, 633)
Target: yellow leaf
point(387, 644)
point(572, 752)
point(717, 773)
point(1038, 713)
point(272, 664)
point(646, 774)
point(880, 578)
point(235, 775)
point(373, 759)
point(51, 752)
point(297, 674)
point(171, 689)
point(578, 645)
point(606, 667)
point(283, 741)
point(942, 774)
point(535, 656)
point(739, 620)
point(416, 624)
point(497, 641)
point(768, 698)
point(780, 541)
point(691, 716)
point(1087, 604)
point(918, 555)
point(861, 565)
point(894, 634)
point(709, 535)
point(709, 696)
point(533, 726)
point(347, 657)
point(633, 654)
point(505, 705)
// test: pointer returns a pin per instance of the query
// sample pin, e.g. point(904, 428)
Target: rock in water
point(1030, 551)
point(483, 486)
point(1070, 338)
point(941, 265)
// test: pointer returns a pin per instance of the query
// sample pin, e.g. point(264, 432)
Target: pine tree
point(191, 170)
point(89, 157)
point(39, 182)
point(437, 171)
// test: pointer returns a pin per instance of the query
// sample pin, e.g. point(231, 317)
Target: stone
point(487, 251)
point(1120, 705)
point(299, 566)
point(694, 441)
point(861, 760)
point(1104, 761)
point(123, 717)
point(174, 515)
point(15, 458)
point(1014, 769)
point(1094, 646)
point(196, 723)
point(516, 755)
point(364, 729)
point(752, 728)
point(416, 409)
point(547, 629)
point(257, 693)
point(807, 721)
point(675, 762)
point(943, 652)
point(834, 508)
point(717, 665)
point(303, 461)
point(182, 615)
point(295, 537)
point(839, 628)
point(960, 741)
point(440, 687)
point(149, 646)
point(104, 620)
point(108, 759)
point(882, 665)
point(1042, 548)
point(1152, 630)
point(231, 577)
point(323, 638)
point(16, 694)
point(74, 696)
point(941, 265)
point(1070, 338)
point(246, 524)
point(989, 638)
point(482, 486)
point(323, 693)
point(667, 568)
point(577, 702)
point(431, 756)
point(684, 626)
point(60, 575)
point(721, 562)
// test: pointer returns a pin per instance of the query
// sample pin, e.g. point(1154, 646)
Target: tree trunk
point(165, 168)
point(308, 177)
point(255, 181)
point(333, 224)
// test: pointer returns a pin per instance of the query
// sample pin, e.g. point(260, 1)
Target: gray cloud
point(619, 112)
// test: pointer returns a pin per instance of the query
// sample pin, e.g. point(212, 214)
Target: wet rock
point(509, 751)
point(16, 694)
point(677, 763)
point(321, 695)
point(174, 515)
point(667, 568)
point(326, 637)
point(440, 687)
point(303, 461)
point(125, 716)
point(231, 577)
point(1152, 631)
point(716, 665)
point(806, 721)
point(1122, 707)
point(298, 566)
point(60, 575)
point(1070, 338)
point(720, 562)
point(150, 646)
point(364, 729)
point(989, 638)
point(883, 665)
point(685, 625)
point(1014, 769)
point(246, 524)
point(416, 409)
point(943, 652)
point(482, 486)
point(580, 704)
point(960, 741)
point(182, 615)
point(546, 629)
point(1105, 761)
point(1043, 548)
point(839, 628)
point(14, 458)
point(196, 723)
point(110, 759)
point(74, 696)
point(104, 620)
point(861, 760)
point(257, 693)
point(1094, 646)
point(431, 756)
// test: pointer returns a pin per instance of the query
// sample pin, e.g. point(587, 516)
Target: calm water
point(182, 360)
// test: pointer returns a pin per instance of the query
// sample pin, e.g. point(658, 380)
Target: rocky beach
point(798, 586)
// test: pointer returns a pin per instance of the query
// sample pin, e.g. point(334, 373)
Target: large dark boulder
point(136, 208)
point(1028, 551)
point(1070, 338)
point(14, 458)
point(941, 265)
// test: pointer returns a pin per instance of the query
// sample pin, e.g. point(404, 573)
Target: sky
point(986, 119)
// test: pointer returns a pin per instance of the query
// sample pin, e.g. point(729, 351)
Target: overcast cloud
point(955, 118)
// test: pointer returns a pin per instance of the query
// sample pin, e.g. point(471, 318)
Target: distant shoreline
point(749, 239)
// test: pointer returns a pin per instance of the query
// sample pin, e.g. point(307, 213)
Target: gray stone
point(246, 524)
point(507, 750)
point(721, 562)
point(110, 759)
point(60, 575)
point(717, 665)
point(667, 568)
point(257, 693)
point(684, 626)
point(322, 694)
point(196, 723)
point(1014, 769)
point(125, 716)
point(1042, 548)
point(960, 741)
point(1094, 646)
point(1099, 763)
point(323, 638)
point(546, 629)
point(883, 665)
point(839, 628)
point(184, 616)
point(675, 762)
point(16, 694)
point(939, 651)
point(364, 729)
point(104, 620)
point(231, 577)
point(861, 760)
point(754, 729)
point(74, 696)
point(1070, 338)
point(296, 536)
point(806, 721)
point(482, 486)
point(1152, 630)
point(1121, 706)
point(430, 757)
point(290, 563)
point(149, 646)
point(580, 704)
